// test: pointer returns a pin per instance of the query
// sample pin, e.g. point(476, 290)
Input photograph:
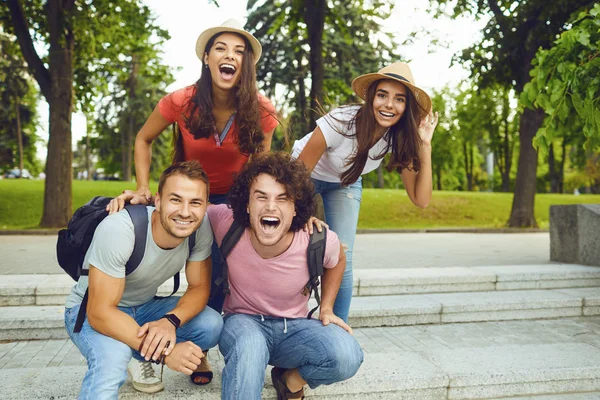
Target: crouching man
point(124, 317)
point(266, 309)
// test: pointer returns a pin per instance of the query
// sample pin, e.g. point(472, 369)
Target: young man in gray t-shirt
point(123, 314)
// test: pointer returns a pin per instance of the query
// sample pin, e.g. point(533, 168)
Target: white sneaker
point(143, 376)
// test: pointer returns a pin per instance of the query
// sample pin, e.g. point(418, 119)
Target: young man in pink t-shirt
point(266, 309)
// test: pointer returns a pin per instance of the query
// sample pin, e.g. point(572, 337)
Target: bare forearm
point(142, 157)
point(330, 283)
point(118, 325)
point(191, 303)
point(424, 183)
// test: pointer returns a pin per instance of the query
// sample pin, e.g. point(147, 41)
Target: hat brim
point(361, 84)
point(207, 34)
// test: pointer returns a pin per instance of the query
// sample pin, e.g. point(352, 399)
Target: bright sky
point(185, 19)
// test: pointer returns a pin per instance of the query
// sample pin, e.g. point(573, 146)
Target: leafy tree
point(566, 77)
point(18, 118)
point(330, 42)
point(513, 35)
point(85, 42)
point(445, 146)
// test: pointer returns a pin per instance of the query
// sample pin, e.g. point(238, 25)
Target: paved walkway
point(37, 254)
point(427, 339)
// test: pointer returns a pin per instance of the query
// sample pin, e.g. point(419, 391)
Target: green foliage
point(350, 48)
point(16, 91)
point(566, 78)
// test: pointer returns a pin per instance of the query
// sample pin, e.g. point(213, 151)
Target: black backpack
point(315, 255)
point(74, 242)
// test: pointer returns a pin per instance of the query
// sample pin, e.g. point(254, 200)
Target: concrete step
point(554, 359)
point(47, 322)
point(22, 290)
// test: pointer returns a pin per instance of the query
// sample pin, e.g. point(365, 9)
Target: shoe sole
point(146, 389)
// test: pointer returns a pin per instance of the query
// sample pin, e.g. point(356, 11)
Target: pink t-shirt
point(269, 287)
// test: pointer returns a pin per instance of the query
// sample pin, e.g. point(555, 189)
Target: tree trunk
point(88, 166)
point(128, 134)
point(380, 181)
point(561, 171)
point(56, 84)
point(468, 168)
point(522, 213)
point(439, 178)
point(19, 134)
point(552, 173)
point(314, 17)
point(506, 149)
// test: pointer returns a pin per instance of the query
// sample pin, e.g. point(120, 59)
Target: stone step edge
point(47, 322)
point(383, 375)
point(53, 289)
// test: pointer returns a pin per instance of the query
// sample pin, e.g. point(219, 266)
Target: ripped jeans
point(342, 205)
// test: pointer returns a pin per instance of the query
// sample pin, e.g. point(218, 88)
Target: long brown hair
point(199, 117)
point(402, 138)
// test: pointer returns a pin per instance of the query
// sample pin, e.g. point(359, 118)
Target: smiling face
point(181, 205)
point(389, 103)
point(271, 213)
point(224, 59)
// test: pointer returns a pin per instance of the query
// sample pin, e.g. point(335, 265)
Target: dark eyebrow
point(225, 44)
point(386, 92)
point(200, 199)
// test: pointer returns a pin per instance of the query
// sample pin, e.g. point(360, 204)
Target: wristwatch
point(172, 318)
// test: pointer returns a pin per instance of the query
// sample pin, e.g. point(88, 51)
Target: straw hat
point(400, 72)
point(231, 25)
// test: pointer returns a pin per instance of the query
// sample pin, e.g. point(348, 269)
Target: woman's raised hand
point(427, 126)
point(141, 196)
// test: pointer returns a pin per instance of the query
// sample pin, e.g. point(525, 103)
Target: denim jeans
point(107, 358)
point(217, 297)
point(342, 205)
point(322, 354)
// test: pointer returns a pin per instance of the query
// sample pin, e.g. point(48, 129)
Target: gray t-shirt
point(112, 246)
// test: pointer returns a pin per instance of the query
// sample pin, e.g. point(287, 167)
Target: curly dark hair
point(292, 174)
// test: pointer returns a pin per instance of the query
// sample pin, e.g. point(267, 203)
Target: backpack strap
point(230, 239)
point(139, 216)
point(315, 255)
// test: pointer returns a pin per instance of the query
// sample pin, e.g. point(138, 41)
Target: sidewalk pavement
point(37, 254)
point(456, 361)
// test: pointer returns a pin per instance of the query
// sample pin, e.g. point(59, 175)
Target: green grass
point(392, 209)
point(21, 206)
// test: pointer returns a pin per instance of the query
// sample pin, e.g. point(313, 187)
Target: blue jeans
point(322, 354)
point(107, 358)
point(217, 297)
point(342, 205)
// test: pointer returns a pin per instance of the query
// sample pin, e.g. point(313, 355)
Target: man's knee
point(344, 355)
point(242, 335)
point(206, 328)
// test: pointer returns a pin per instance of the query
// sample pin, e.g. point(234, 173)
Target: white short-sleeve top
point(339, 147)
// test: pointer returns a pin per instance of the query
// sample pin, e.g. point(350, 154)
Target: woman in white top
point(395, 118)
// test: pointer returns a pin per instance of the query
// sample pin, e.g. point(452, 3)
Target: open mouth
point(386, 114)
point(182, 223)
point(227, 71)
point(269, 224)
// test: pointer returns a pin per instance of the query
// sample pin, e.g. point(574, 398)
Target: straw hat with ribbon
point(231, 25)
point(400, 72)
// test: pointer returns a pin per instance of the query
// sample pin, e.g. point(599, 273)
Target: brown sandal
point(283, 393)
point(203, 375)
